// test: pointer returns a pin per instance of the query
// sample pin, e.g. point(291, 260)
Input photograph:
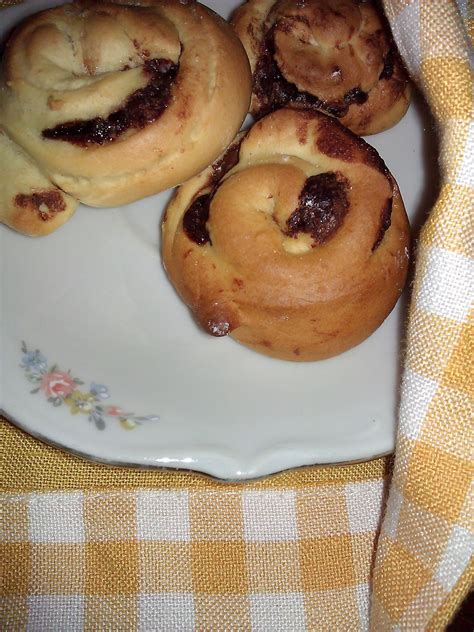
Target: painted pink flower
point(113, 411)
point(57, 384)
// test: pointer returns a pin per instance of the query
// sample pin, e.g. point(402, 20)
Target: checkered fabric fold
point(86, 547)
point(427, 536)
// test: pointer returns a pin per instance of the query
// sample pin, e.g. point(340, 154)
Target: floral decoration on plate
point(60, 387)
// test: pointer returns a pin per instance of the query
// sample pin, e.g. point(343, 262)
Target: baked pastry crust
point(295, 242)
point(334, 55)
point(29, 201)
point(115, 101)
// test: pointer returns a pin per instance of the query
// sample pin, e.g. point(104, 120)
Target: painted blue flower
point(100, 391)
point(34, 362)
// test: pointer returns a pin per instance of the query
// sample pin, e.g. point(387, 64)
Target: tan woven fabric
point(88, 547)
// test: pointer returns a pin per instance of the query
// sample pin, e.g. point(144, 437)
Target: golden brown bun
point(295, 242)
point(332, 55)
point(118, 101)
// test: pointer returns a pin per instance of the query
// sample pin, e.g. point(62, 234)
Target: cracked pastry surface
point(333, 55)
point(114, 101)
point(295, 242)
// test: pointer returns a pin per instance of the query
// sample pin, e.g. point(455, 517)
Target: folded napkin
point(86, 547)
point(427, 541)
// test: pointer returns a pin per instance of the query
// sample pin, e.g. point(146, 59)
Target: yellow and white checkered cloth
point(177, 552)
point(427, 536)
point(86, 547)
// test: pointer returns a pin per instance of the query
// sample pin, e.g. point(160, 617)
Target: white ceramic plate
point(93, 299)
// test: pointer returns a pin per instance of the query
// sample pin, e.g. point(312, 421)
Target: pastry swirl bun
point(295, 242)
point(118, 100)
point(332, 55)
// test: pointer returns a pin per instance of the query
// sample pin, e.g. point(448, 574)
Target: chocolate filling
point(385, 222)
point(142, 107)
point(356, 96)
point(323, 204)
point(388, 66)
point(271, 87)
point(225, 164)
point(274, 91)
point(197, 214)
point(52, 200)
point(195, 218)
point(339, 109)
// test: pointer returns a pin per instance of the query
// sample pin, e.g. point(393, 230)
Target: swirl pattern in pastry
point(295, 242)
point(333, 55)
point(114, 101)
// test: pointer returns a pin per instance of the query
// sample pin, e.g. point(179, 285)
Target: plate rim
point(171, 469)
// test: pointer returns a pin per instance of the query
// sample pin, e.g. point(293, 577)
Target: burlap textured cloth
point(86, 547)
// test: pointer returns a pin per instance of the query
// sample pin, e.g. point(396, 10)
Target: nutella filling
point(46, 204)
point(271, 87)
point(225, 164)
point(142, 107)
point(195, 218)
point(385, 222)
point(274, 91)
point(323, 204)
point(388, 66)
point(197, 214)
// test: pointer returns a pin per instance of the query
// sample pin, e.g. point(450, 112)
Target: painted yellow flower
point(80, 402)
point(127, 424)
